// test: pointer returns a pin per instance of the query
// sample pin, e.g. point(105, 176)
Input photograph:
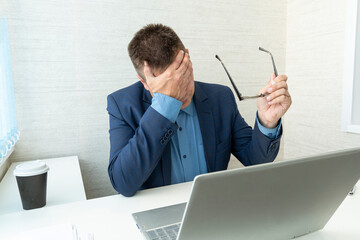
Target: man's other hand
point(273, 106)
point(175, 81)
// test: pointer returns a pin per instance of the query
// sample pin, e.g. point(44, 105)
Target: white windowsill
point(353, 128)
point(3, 165)
point(3, 159)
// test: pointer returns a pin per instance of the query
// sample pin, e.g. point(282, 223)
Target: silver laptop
point(281, 200)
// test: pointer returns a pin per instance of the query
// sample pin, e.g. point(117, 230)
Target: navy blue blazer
point(140, 154)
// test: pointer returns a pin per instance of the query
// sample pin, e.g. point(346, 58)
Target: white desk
point(64, 185)
point(110, 217)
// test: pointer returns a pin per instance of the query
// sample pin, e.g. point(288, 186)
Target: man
point(167, 129)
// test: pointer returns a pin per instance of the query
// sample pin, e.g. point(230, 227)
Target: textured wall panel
point(314, 64)
point(67, 56)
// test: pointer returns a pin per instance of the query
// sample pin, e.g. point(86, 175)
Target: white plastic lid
point(31, 168)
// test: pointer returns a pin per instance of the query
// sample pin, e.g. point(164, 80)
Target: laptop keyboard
point(164, 233)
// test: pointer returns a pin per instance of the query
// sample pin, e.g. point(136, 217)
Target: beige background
point(67, 56)
point(315, 36)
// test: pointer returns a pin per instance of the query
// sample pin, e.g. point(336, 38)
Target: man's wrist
point(266, 123)
point(167, 106)
point(269, 132)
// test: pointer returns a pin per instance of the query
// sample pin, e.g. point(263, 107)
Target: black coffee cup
point(31, 178)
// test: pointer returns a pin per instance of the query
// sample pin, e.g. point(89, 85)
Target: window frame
point(352, 20)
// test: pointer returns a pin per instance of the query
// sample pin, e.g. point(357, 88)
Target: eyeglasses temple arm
point(232, 82)
point(273, 62)
point(272, 59)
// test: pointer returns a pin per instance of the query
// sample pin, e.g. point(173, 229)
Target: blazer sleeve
point(134, 153)
point(251, 146)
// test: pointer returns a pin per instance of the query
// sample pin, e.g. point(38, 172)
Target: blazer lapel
point(207, 125)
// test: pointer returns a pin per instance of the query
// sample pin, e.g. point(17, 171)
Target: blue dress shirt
point(187, 150)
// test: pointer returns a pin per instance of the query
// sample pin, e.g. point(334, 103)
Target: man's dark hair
point(155, 43)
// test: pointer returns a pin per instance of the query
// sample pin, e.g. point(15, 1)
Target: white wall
point(314, 64)
point(67, 56)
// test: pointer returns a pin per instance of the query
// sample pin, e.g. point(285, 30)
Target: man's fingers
point(269, 84)
point(188, 78)
point(274, 79)
point(277, 93)
point(273, 76)
point(281, 99)
point(275, 83)
point(280, 78)
point(178, 60)
point(277, 86)
point(188, 90)
point(184, 65)
point(189, 70)
point(271, 81)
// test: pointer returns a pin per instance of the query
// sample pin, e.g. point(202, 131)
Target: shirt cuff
point(269, 132)
point(167, 106)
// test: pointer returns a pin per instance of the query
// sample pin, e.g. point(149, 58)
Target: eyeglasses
point(234, 86)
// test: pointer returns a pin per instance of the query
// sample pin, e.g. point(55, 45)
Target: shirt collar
point(190, 109)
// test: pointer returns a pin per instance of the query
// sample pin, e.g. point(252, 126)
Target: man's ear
point(143, 82)
point(187, 50)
